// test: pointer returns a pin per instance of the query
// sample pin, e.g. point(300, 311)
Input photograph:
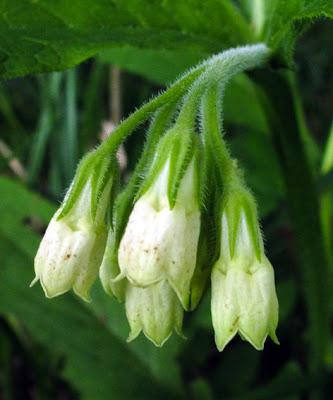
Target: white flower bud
point(72, 248)
point(243, 290)
point(160, 243)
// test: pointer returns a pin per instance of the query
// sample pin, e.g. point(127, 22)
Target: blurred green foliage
point(64, 349)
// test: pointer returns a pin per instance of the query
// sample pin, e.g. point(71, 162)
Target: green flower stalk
point(161, 237)
point(72, 248)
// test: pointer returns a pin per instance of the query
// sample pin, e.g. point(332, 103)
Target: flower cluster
point(185, 215)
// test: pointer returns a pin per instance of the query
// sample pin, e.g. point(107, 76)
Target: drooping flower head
point(243, 289)
point(161, 237)
point(72, 248)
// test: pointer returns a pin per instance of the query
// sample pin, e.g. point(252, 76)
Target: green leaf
point(41, 36)
point(281, 16)
point(279, 101)
point(97, 362)
point(287, 385)
point(255, 153)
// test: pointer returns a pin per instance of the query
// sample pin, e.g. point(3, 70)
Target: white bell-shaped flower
point(160, 242)
point(72, 248)
point(243, 289)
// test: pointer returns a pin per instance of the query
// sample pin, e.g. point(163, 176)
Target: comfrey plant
point(186, 214)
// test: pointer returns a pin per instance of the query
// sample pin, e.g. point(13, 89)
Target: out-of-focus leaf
point(39, 36)
point(242, 107)
point(64, 325)
point(288, 384)
point(240, 357)
point(326, 197)
point(200, 390)
point(69, 148)
point(256, 156)
point(286, 292)
point(49, 89)
point(160, 66)
point(279, 102)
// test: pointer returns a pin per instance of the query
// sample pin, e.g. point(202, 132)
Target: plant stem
point(143, 113)
point(212, 131)
point(233, 61)
point(220, 72)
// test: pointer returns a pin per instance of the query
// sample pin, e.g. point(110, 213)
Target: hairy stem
point(219, 72)
point(233, 60)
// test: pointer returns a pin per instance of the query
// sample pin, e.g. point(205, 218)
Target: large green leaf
point(38, 36)
point(97, 362)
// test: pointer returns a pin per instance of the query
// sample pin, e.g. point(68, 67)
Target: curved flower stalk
point(161, 237)
point(72, 248)
point(243, 289)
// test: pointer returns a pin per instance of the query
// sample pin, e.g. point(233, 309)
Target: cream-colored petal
point(224, 307)
point(87, 272)
point(143, 248)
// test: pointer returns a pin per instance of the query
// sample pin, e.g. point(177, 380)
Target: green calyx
point(239, 209)
point(176, 150)
point(102, 174)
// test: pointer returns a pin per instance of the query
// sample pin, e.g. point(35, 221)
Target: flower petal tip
point(34, 281)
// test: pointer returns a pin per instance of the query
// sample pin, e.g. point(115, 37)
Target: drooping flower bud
point(161, 237)
point(155, 310)
point(243, 289)
point(72, 248)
